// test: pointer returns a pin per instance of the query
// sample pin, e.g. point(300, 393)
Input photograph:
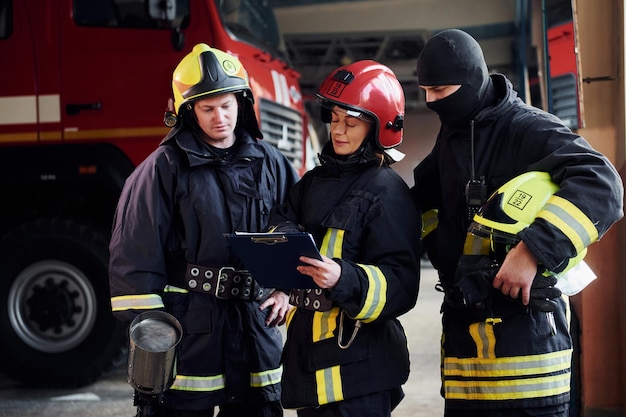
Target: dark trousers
point(552, 411)
point(379, 404)
point(270, 409)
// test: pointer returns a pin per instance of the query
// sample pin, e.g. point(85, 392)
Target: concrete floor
point(112, 396)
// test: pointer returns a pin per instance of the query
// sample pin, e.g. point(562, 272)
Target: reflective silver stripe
point(376, 296)
point(499, 379)
point(324, 324)
point(476, 245)
point(136, 302)
point(332, 244)
point(512, 389)
point(265, 378)
point(430, 221)
point(329, 385)
point(484, 337)
point(199, 383)
point(571, 221)
point(172, 288)
point(508, 367)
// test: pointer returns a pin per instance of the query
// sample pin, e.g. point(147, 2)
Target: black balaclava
point(453, 57)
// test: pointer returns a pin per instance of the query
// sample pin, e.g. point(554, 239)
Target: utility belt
point(224, 283)
point(310, 299)
point(316, 300)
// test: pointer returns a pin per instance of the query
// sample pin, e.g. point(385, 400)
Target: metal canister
point(153, 336)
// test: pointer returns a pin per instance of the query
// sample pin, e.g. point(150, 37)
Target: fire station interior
point(393, 32)
point(321, 35)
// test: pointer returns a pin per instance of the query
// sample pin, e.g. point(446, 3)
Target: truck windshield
point(252, 21)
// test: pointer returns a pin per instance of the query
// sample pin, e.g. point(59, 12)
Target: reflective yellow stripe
point(171, 288)
point(514, 389)
point(476, 245)
point(485, 339)
point(199, 383)
point(324, 324)
point(571, 221)
point(329, 387)
point(376, 297)
point(430, 221)
point(515, 366)
point(332, 244)
point(328, 380)
point(510, 378)
point(136, 302)
point(289, 317)
point(265, 378)
point(568, 311)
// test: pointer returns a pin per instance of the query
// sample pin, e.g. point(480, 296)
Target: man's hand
point(279, 302)
point(517, 273)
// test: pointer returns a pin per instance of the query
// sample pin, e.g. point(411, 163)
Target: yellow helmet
point(207, 71)
point(510, 209)
point(514, 206)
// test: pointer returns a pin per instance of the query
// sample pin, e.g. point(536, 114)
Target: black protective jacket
point(485, 350)
point(361, 214)
point(174, 209)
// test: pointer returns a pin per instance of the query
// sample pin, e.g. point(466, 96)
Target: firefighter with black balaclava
point(211, 175)
point(506, 347)
point(346, 352)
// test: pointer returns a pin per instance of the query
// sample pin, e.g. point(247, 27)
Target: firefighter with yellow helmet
point(506, 346)
point(211, 175)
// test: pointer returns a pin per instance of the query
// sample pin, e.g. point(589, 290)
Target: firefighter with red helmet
point(346, 352)
point(211, 175)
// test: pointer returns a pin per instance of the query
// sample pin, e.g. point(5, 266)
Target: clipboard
point(272, 258)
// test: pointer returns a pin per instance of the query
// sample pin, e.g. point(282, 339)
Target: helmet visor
point(327, 107)
point(484, 240)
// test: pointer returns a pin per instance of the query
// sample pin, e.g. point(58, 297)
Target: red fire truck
point(564, 74)
point(84, 87)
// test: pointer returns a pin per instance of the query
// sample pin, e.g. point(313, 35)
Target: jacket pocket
point(353, 211)
point(327, 353)
point(194, 313)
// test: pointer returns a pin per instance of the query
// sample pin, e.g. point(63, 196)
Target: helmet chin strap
point(391, 155)
point(394, 154)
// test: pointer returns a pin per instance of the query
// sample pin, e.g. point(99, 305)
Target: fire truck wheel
point(57, 327)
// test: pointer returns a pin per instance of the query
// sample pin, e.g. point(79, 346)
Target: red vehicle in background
point(564, 74)
point(85, 84)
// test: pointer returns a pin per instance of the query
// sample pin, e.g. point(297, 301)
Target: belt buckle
point(223, 291)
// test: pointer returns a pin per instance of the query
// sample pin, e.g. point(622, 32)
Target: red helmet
point(369, 88)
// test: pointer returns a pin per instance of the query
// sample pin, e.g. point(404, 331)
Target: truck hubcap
point(51, 306)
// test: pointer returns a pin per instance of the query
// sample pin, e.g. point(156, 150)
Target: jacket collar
point(505, 94)
point(335, 164)
point(245, 148)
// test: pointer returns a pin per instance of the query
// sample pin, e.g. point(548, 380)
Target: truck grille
point(565, 99)
point(282, 127)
